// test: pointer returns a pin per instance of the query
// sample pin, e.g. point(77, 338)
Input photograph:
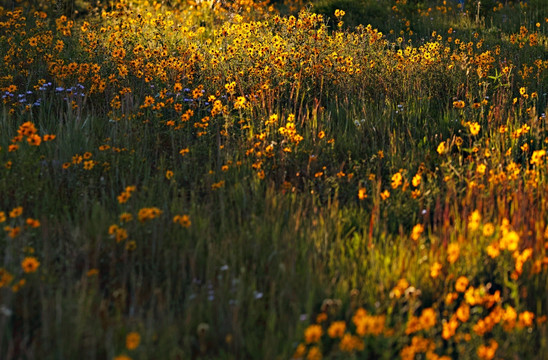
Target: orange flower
point(526, 319)
point(413, 325)
point(449, 328)
point(126, 217)
point(321, 317)
point(30, 264)
point(488, 352)
point(314, 353)
point(416, 232)
point(122, 357)
point(133, 340)
point(509, 317)
point(453, 252)
point(416, 180)
point(349, 343)
point(461, 284)
point(399, 289)
point(112, 229)
point(313, 333)
point(435, 270)
point(474, 220)
point(474, 128)
point(510, 241)
point(183, 220)
point(13, 232)
point(120, 235)
point(123, 197)
point(362, 193)
point(299, 352)
point(89, 164)
point(34, 140)
point(458, 104)
point(92, 272)
point(5, 277)
point(336, 329)
point(126, 194)
point(396, 180)
point(32, 223)
point(27, 129)
point(463, 313)
point(488, 229)
point(145, 214)
point(16, 212)
point(427, 318)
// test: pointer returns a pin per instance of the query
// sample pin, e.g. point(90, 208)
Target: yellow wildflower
point(441, 148)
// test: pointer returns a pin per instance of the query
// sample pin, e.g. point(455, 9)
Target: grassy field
point(249, 180)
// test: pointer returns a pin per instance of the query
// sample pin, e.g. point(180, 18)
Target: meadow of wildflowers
point(246, 179)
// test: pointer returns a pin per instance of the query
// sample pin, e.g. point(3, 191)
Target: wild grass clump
point(253, 180)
